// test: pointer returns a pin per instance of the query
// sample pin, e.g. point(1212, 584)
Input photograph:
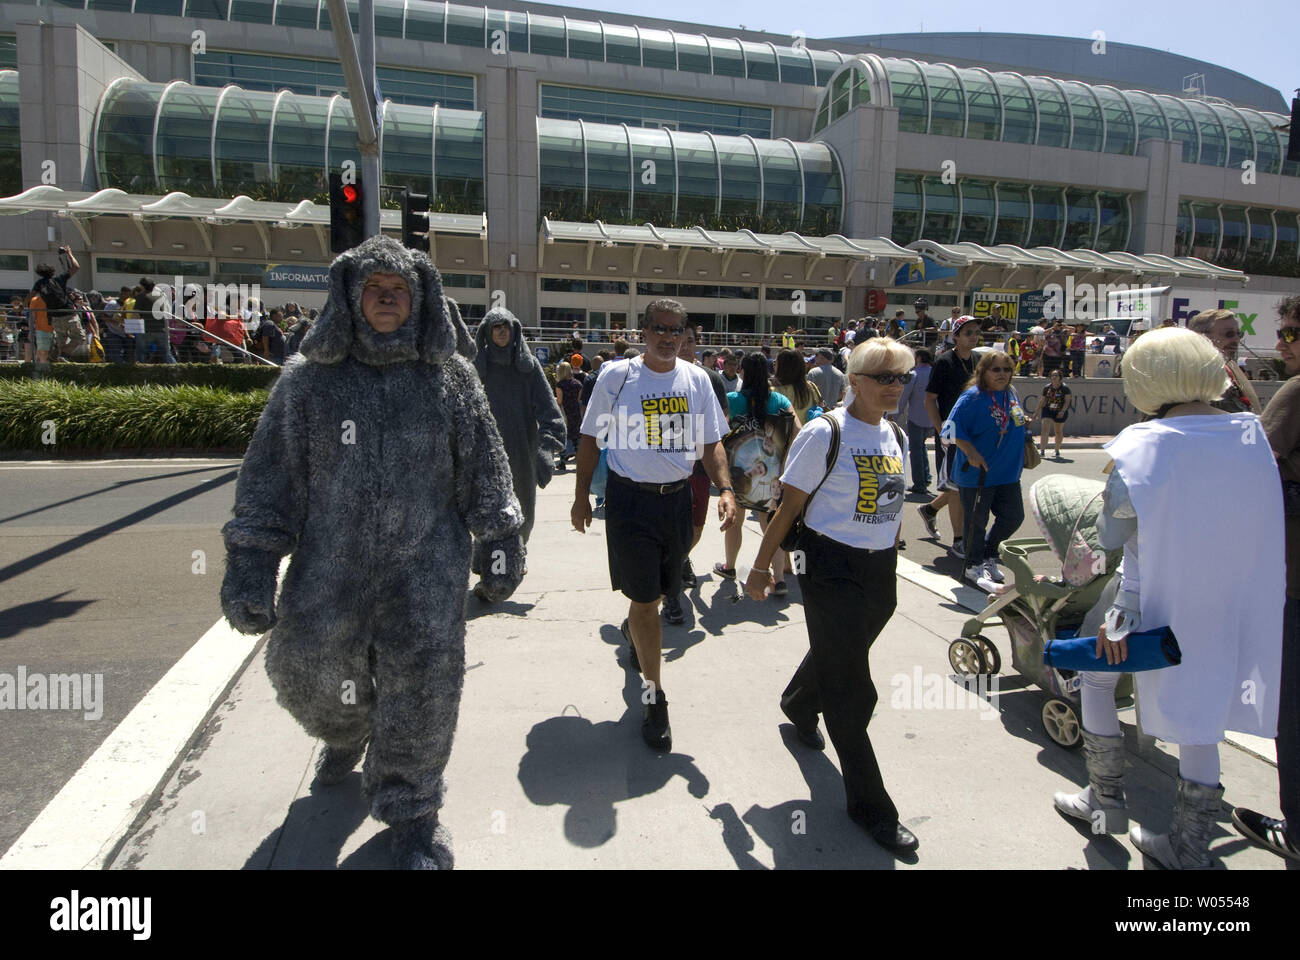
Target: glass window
point(1268, 154)
point(298, 149)
point(1236, 235)
point(585, 41)
point(909, 95)
point(458, 160)
point(165, 8)
point(822, 190)
point(423, 21)
point(1017, 107)
point(15, 261)
point(1205, 230)
point(1049, 217)
point(697, 179)
point(388, 18)
point(692, 53)
point(1121, 137)
point(827, 63)
point(1182, 126)
point(303, 13)
point(467, 281)
point(1151, 121)
point(547, 36)
point(342, 135)
point(614, 287)
point(658, 50)
point(982, 105)
point(1183, 230)
point(1087, 116)
point(1013, 214)
point(563, 285)
point(201, 9)
point(119, 6)
point(124, 151)
point(947, 105)
point(653, 180)
point(621, 45)
point(609, 177)
point(517, 28)
point(464, 25)
point(243, 128)
point(781, 187)
point(561, 170)
point(1288, 240)
point(248, 11)
point(612, 106)
point(795, 66)
point(760, 62)
point(184, 148)
point(728, 61)
point(156, 268)
point(977, 213)
point(353, 15)
point(1240, 145)
point(408, 140)
point(940, 222)
point(840, 95)
point(1053, 114)
point(907, 209)
point(1080, 219)
point(1113, 226)
point(1214, 146)
point(741, 196)
point(1260, 244)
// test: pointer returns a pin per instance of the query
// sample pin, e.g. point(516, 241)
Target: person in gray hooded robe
point(374, 463)
point(531, 425)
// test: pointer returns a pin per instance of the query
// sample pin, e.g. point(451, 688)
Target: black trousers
point(848, 597)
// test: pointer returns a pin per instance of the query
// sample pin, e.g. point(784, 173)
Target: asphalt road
point(98, 575)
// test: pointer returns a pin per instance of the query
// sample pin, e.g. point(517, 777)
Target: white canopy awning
point(1050, 260)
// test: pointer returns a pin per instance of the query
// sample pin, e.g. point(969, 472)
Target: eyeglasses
point(665, 331)
point(885, 379)
point(1288, 334)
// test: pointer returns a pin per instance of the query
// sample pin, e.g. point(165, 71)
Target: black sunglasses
point(662, 330)
point(885, 379)
point(1288, 334)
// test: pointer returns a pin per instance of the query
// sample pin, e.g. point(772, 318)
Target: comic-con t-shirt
point(660, 423)
point(861, 502)
point(994, 424)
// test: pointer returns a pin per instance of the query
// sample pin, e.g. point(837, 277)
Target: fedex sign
point(1255, 312)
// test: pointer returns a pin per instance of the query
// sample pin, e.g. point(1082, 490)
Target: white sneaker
point(992, 572)
point(975, 573)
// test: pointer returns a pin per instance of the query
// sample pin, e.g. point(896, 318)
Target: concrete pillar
point(1155, 210)
point(509, 100)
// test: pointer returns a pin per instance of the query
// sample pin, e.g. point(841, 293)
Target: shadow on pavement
point(475, 608)
point(38, 613)
point(804, 834)
point(720, 612)
point(316, 829)
point(591, 767)
point(113, 488)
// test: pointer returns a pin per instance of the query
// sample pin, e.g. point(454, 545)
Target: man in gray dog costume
point(374, 462)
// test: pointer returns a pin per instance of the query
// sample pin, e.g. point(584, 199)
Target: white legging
point(1197, 762)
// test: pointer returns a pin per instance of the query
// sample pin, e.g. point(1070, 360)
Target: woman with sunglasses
point(988, 427)
point(849, 552)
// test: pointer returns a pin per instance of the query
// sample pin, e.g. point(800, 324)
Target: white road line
point(969, 597)
point(78, 829)
point(115, 464)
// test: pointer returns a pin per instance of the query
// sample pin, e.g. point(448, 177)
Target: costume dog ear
point(330, 337)
point(465, 345)
point(436, 336)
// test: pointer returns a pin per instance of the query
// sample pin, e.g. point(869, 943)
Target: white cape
point(1210, 551)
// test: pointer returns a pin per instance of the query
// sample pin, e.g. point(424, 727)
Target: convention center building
point(581, 164)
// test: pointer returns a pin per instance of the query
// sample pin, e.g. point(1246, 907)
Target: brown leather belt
point(659, 488)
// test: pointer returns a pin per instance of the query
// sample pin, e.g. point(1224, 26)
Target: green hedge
point(231, 377)
point(147, 418)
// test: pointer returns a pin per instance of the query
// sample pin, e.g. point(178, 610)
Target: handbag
point(1032, 457)
point(600, 476)
point(791, 539)
point(1148, 650)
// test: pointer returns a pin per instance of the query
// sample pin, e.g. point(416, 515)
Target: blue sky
point(1260, 38)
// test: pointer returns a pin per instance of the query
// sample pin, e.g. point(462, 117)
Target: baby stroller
point(1035, 610)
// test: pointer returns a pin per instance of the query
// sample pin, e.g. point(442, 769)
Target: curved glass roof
point(509, 31)
point(210, 141)
point(622, 174)
point(973, 102)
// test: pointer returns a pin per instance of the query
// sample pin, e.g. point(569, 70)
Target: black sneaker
point(928, 516)
point(1268, 833)
point(673, 609)
point(688, 573)
point(654, 723)
point(632, 660)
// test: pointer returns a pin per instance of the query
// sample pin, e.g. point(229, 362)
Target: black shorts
point(1059, 417)
point(646, 536)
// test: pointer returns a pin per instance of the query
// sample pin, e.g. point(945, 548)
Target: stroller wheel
point(1062, 723)
point(965, 658)
point(992, 659)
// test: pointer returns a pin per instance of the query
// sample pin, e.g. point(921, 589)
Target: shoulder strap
point(832, 454)
point(898, 434)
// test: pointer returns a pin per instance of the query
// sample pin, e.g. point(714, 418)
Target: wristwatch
point(731, 490)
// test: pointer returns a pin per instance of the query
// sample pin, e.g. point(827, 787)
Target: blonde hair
point(1204, 321)
point(881, 355)
point(1172, 365)
point(563, 371)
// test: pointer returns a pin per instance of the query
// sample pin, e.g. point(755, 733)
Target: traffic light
point(415, 220)
point(347, 221)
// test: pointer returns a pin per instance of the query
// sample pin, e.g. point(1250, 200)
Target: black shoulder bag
point(791, 540)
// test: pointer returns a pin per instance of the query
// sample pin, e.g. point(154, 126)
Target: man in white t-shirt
point(656, 417)
point(945, 328)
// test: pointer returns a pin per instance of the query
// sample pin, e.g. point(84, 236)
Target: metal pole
point(361, 85)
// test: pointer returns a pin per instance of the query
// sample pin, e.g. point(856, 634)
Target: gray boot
point(1187, 844)
point(422, 844)
point(1102, 801)
point(335, 763)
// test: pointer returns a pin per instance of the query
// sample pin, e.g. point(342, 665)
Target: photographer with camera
point(52, 288)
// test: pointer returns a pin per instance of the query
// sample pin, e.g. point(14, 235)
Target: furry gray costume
point(523, 403)
point(374, 462)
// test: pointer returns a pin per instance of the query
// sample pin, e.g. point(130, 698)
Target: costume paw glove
point(545, 467)
point(248, 591)
point(502, 567)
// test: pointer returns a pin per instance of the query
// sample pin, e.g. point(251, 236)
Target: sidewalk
point(549, 770)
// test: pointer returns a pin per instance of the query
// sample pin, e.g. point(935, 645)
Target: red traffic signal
point(347, 220)
point(350, 194)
